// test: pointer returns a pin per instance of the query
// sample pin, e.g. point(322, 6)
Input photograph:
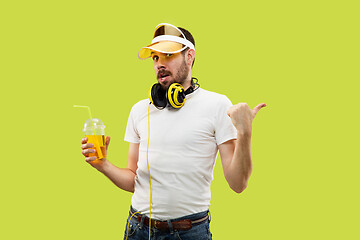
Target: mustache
point(163, 72)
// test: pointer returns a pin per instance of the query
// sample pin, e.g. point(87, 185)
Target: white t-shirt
point(182, 152)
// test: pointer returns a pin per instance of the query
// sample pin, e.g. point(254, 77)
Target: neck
point(188, 82)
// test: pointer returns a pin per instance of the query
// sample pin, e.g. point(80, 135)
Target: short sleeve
point(224, 128)
point(131, 133)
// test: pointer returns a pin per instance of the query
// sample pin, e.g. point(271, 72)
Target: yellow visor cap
point(163, 47)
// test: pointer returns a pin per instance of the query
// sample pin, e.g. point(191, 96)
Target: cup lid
point(98, 125)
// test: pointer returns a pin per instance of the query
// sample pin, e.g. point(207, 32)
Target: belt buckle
point(160, 225)
point(155, 222)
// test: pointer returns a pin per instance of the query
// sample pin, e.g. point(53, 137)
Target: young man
point(174, 139)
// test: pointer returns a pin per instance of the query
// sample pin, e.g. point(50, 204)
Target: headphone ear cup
point(181, 97)
point(158, 96)
point(176, 95)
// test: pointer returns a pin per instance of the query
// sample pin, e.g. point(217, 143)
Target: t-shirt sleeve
point(224, 129)
point(131, 133)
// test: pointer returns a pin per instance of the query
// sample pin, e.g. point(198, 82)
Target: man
point(174, 139)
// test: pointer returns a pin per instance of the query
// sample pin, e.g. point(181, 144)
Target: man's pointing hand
point(242, 116)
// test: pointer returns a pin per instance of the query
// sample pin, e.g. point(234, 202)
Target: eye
point(168, 54)
point(155, 57)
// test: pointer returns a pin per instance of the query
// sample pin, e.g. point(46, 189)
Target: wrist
point(244, 135)
point(105, 166)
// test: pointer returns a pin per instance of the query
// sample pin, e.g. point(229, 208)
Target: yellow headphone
point(174, 96)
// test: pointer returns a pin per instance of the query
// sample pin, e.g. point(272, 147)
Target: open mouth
point(163, 75)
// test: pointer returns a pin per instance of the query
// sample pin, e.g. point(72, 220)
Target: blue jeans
point(139, 231)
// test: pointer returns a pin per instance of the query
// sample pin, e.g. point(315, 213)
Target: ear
point(190, 56)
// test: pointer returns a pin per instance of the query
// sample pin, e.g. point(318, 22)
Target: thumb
point(257, 108)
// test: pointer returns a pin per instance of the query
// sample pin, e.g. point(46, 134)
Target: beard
point(179, 77)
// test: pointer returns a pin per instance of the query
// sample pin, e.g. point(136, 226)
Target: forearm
point(240, 168)
point(123, 178)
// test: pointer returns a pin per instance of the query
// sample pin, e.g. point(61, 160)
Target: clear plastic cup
point(98, 139)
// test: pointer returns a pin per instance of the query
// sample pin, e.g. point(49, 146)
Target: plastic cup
point(96, 135)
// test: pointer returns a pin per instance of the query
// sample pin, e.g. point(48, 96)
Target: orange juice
point(97, 139)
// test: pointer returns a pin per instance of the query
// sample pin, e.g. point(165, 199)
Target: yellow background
point(299, 57)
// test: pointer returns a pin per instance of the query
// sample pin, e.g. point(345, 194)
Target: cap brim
point(163, 47)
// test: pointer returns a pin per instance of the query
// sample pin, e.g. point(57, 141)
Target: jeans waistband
point(191, 217)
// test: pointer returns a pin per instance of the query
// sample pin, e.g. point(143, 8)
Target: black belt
point(184, 224)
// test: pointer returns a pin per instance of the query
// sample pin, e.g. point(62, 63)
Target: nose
point(160, 66)
point(160, 63)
